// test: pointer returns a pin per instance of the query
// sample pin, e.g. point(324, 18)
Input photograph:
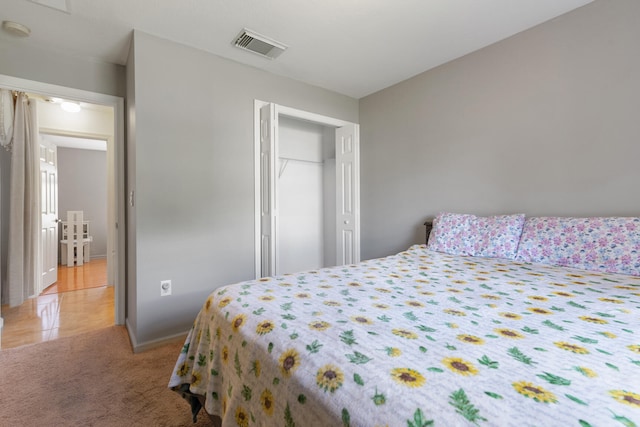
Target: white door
point(268, 189)
point(347, 195)
point(49, 207)
point(347, 187)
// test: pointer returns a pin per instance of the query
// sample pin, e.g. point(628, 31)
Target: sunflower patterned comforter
point(420, 339)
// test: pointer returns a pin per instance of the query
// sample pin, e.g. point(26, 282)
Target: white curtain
point(23, 271)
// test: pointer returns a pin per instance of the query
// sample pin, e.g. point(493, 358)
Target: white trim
point(47, 89)
point(257, 104)
point(149, 345)
point(15, 83)
point(311, 117)
point(296, 114)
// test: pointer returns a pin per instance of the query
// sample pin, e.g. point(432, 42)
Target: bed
point(494, 328)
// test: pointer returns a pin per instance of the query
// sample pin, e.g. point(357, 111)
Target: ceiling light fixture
point(16, 28)
point(70, 107)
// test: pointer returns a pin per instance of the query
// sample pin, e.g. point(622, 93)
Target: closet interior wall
point(306, 195)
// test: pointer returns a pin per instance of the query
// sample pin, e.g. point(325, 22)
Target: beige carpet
point(92, 379)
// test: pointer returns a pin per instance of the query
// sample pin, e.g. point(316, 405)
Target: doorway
point(116, 252)
point(307, 190)
point(83, 184)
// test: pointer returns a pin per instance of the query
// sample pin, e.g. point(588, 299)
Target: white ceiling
point(354, 47)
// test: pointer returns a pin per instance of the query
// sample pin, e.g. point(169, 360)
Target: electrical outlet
point(165, 288)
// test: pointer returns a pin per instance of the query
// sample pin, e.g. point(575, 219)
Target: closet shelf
point(286, 161)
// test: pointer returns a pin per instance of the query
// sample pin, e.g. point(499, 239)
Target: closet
point(308, 215)
point(306, 169)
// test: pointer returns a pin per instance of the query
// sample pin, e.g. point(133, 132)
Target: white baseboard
point(148, 345)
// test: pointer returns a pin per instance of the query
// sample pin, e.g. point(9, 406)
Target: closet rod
point(300, 160)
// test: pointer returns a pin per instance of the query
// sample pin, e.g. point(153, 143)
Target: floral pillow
point(497, 236)
point(609, 244)
point(452, 234)
point(464, 234)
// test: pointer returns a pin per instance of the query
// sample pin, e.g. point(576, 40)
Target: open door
point(347, 195)
point(49, 209)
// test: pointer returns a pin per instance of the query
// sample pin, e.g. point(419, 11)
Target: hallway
point(80, 301)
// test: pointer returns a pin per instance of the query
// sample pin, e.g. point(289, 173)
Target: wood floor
point(80, 301)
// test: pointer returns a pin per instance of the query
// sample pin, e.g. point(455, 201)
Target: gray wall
point(193, 174)
point(545, 123)
point(58, 68)
point(82, 186)
point(130, 184)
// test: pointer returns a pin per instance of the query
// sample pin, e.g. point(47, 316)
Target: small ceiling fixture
point(16, 28)
point(70, 107)
point(259, 44)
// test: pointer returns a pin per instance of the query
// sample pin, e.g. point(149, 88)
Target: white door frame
point(289, 112)
point(51, 90)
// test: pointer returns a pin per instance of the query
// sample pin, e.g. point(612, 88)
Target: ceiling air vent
point(257, 43)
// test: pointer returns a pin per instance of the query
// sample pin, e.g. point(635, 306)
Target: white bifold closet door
point(268, 189)
point(309, 191)
point(347, 195)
